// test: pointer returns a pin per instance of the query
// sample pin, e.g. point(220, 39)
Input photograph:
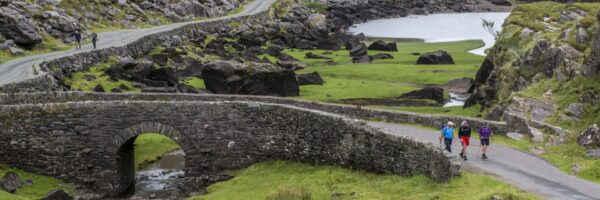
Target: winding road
point(515, 167)
point(520, 169)
point(21, 69)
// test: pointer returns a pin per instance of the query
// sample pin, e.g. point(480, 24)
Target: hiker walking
point(94, 39)
point(78, 40)
point(485, 133)
point(447, 136)
point(464, 134)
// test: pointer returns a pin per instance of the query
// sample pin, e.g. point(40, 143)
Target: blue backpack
point(448, 132)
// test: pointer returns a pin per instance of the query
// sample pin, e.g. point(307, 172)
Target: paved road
point(520, 169)
point(21, 69)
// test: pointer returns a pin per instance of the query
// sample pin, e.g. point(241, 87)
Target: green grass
point(41, 185)
point(194, 82)
point(149, 147)
point(386, 78)
point(78, 82)
point(294, 181)
point(49, 44)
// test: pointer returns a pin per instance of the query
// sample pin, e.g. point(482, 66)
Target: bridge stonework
point(90, 142)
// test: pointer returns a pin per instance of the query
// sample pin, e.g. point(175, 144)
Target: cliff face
point(543, 70)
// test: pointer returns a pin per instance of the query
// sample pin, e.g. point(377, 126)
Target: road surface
point(21, 69)
point(520, 169)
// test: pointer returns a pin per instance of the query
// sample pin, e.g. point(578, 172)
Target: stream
point(161, 180)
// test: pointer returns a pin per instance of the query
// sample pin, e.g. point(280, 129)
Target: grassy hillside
point(284, 180)
point(40, 187)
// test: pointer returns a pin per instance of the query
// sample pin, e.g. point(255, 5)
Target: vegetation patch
point(150, 147)
point(40, 187)
point(194, 82)
point(289, 180)
point(83, 80)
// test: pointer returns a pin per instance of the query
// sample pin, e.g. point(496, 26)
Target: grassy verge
point(455, 110)
point(149, 147)
point(40, 187)
point(194, 82)
point(286, 180)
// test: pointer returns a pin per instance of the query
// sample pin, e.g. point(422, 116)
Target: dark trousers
point(448, 142)
point(94, 43)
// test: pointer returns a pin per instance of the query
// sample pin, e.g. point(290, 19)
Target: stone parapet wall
point(430, 120)
point(90, 142)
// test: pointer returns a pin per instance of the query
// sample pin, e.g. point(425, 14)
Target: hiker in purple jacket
point(485, 132)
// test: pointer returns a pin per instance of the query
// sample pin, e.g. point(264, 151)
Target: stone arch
point(124, 145)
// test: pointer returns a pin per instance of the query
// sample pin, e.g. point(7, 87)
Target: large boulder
point(310, 79)
point(434, 58)
point(380, 45)
point(383, 56)
point(590, 137)
point(433, 93)
point(461, 85)
point(57, 195)
point(17, 27)
point(11, 182)
point(501, 2)
point(130, 69)
point(230, 77)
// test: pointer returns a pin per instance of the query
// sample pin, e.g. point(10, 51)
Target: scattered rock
point(311, 55)
point(594, 153)
point(327, 53)
point(11, 182)
point(575, 168)
point(435, 58)
point(501, 2)
point(590, 137)
point(495, 196)
point(57, 195)
point(7, 44)
point(461, 85)
point(362, 59)
point(310, 79)
point(536, 135)
point(515, 136)
point(291, 65)
point(383, 56)
point(130, 69)
point(574, 110)
point(433, 93)
point(582, 36)
point(15, 51)
point(380, 45)
point(88, 77)
point(230, 77)
point(116, 90)
point(17, 27)
point(537, 150)
point(526, 32)
point(159, 90)
point(98, 88)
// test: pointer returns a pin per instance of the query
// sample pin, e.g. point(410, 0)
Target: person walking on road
point(448, 135)
point(78, 40)
point(464, 134)
point(94, 39)
point(485, 133)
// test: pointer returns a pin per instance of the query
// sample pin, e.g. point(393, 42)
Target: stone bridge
point(87, 138)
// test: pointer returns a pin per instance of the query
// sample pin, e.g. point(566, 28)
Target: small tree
point(489, 26)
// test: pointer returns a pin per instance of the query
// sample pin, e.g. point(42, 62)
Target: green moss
point(194, 82)
point(78, 82)
point(41, 185)
point(317, 6)
point(279, 178)
point(149, 147)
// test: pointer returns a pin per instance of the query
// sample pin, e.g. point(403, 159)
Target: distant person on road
point(485, 133)
point(78, 40)
point(94, 39)
point(464, 134)
point(448, 135)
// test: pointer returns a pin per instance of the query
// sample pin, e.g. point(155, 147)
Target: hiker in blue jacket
point(448, 135)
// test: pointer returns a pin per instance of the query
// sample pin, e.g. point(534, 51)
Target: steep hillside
point(542, 77)
point(49, 25)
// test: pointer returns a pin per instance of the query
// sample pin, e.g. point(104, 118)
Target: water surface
point(436, 27)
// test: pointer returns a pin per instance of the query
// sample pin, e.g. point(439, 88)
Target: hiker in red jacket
point(464, 134)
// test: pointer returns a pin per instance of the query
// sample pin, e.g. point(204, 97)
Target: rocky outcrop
point(461, 85)
point(57, 195)
point(433, 93)
point(310, 79)
point(10, 182)
point(380, 45)
point(435, 58)
point(590, 137)
point(17, 27)
point(592, 62)
point(229, 77)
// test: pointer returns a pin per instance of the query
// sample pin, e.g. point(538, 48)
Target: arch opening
point(150, 165)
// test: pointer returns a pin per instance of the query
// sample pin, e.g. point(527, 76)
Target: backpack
point(448, 132)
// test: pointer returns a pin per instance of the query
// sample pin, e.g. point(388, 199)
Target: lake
point(444, 27)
